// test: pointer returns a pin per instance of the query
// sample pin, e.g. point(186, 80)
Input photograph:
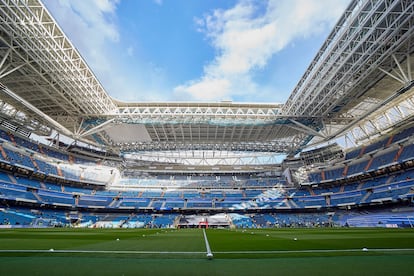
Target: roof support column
point(401, 76)
point(97, 128)
point(301, 127)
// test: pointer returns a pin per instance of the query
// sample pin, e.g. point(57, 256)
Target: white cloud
point(90, 25)
point(106, 5)
point(246, 37)
point(206, 89)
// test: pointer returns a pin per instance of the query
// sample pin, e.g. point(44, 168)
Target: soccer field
point(236, 252)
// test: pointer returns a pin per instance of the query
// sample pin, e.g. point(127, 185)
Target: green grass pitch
point(183, 252)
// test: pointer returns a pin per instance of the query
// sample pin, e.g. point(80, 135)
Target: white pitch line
point(203, 252)
point(316, 251)
point(99, 251)
point(209, 253)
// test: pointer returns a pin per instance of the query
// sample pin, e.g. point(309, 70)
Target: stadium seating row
point(381, 189)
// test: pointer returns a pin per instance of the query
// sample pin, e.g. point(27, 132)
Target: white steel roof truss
point(325, 98)
point(47, 34)
point(314, 97)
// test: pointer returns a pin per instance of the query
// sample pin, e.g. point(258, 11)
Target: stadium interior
point(339, 152)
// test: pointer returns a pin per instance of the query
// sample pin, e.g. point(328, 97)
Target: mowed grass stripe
point(224, 242)
point(203, 252)
point(82, 265)
point(308, 239)
point(111, 240)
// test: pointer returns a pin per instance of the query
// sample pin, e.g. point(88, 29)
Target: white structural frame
point(46, 86)
point(365, 37)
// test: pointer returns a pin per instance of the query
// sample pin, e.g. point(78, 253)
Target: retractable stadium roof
point(361, 79)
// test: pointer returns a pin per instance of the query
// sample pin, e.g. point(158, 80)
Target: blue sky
point(198, 50)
